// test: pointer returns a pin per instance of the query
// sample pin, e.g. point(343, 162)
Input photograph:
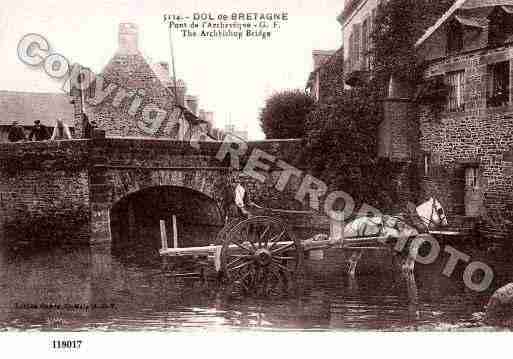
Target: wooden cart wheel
point(261, 256)
point(222, 233)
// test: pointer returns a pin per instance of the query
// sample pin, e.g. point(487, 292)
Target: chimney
point(192, 103)
point(320, 57)
point(128, 38)
point(181, 89)
point(165, 66)
point(209, 117)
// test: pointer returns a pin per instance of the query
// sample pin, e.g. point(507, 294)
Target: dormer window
point(501, 26)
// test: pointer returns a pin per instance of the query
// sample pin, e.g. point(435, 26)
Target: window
point(501, 26)
point(499, 84)
point(351, 51)
point(357, 48)
point(472, 178)
point(455, 37)
point(365, 43)
point(456, 84)
point(427, 163)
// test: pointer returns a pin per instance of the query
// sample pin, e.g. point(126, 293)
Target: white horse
point(419, 220)
point(405, 227)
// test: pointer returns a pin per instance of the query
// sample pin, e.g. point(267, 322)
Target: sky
point(231, 77)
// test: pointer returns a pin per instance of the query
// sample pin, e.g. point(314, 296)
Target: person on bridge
point(39, 132)
point(89, 126)
point(16, 133)
point(61, 131)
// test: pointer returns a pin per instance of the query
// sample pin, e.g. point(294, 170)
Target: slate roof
point(26, 107)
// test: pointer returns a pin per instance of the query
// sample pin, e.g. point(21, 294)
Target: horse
point(426, 216)
point(406, 226)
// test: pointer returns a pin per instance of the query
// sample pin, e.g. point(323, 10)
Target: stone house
point(465, 109)
point(453, 130)
point(26, 107)
point(133, 97)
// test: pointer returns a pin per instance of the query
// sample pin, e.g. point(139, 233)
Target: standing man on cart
point(236, 202)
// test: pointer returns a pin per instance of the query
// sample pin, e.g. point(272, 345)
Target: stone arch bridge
point(88, 191)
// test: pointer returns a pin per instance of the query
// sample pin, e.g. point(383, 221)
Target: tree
point(285, 113)
point(340, 147)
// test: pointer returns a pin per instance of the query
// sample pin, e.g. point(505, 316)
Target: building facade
point(357, 20)
point(465, 109)
point(454, 128)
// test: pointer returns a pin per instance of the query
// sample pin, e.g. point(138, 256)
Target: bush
point(341, 147)
point(284, 114)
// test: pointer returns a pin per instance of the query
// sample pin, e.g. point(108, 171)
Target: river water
point(82, 288)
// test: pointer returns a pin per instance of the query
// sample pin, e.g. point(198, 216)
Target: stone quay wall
point(44, 191)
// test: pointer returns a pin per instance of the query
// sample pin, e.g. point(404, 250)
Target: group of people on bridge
point(40, 132)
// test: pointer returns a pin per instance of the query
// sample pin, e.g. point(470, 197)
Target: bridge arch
point(208, 182)
point(135, 218)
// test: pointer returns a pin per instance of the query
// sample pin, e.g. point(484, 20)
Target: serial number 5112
point(66, 344)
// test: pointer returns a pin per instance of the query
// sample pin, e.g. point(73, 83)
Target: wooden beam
point(175, 233)
point(163, 235)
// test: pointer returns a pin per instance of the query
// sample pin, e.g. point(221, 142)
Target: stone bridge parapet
point(64, 191)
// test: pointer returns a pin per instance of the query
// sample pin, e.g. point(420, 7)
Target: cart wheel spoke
point(241, 255)
point(235, 262)
point(281, 266)
point(243, 247)
point(263, 237)
point(284, 248)
point(274, 240)
point(248, 237)
point(239, 266)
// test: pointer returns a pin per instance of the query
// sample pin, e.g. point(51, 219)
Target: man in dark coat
point(16, 133)
point(39, 132)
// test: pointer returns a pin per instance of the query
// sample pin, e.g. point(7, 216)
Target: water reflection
point(96, 289)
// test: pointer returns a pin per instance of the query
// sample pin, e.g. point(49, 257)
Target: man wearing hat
point(16, 132)
point(39, 132)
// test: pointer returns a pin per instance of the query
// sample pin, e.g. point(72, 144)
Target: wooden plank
point(446, 233)
point(307, 246)
point(163, 234)
point(190, 251)
point(175, 233)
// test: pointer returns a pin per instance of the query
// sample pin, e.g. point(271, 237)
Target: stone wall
point(65, 191)
point(44, 191)
point(477, 137)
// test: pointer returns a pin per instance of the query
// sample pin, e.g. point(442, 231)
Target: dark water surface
point(86, 288)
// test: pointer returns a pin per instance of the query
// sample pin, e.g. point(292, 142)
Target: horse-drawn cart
point(261, 254)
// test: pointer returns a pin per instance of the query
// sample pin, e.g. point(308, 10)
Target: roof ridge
point(33, 92)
